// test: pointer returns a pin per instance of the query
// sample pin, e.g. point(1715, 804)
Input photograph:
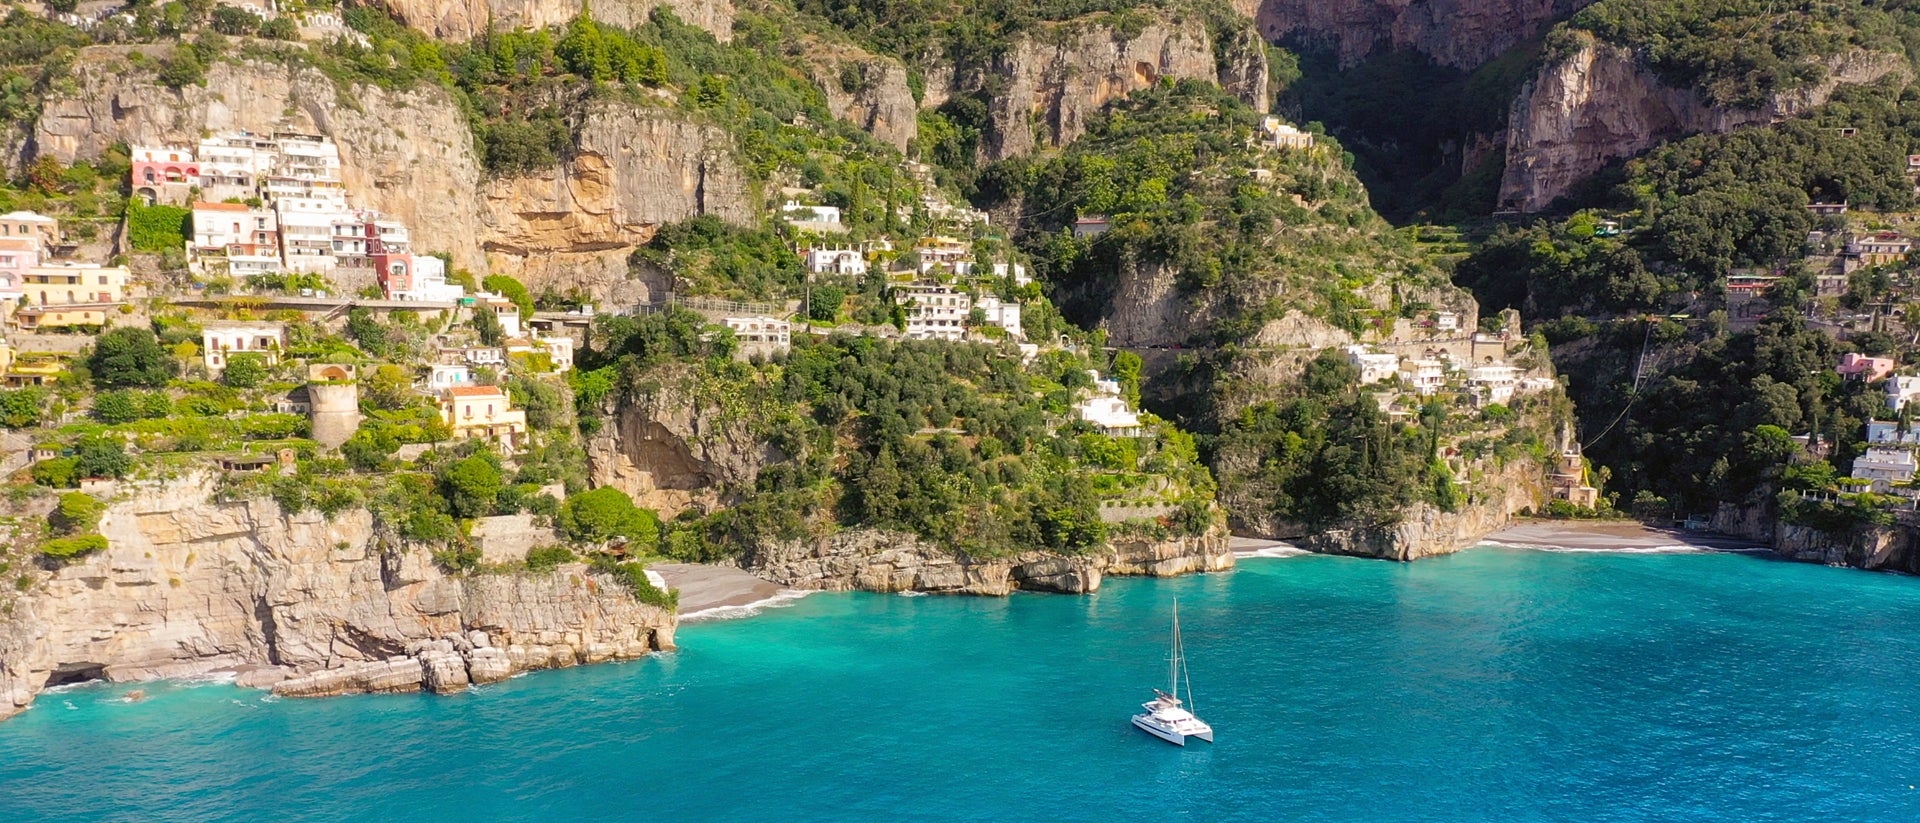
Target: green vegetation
point(77, 512)
point(67, 548)
point(126, 357)
point(1172, 169)
point(607, 514)
point(1741, 52)
point(158, 228)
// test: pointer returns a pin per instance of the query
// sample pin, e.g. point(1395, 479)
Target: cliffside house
point(1901, 390)
point(1569, 479)
point(1277, 134)
point(163, 174)
point(1884, 466)
point(1016, 270)
point(1888, 432)
point(443, 376)
point(1880, 248)
point(1827, 209)
point(934, 311)
point(1002, 313)
point(559, 349)
point(835, 260)
point(1091, 225)
point(219, 339)
point(483, 412)
point(1374, 366)
point(217, 226)
point(1857, 366)
point(1424, 377)
point(1495, 383)
point(823, 219)
point(75, 284)
point(760, 335)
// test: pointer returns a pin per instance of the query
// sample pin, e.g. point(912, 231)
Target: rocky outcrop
point(1422, 530)
point(1600, 104)
point(1046, 85)
point(466, 19)
point(1458, 33)
point(406, 153)
point(672, 448)
point(411, 154)
point(190, 586)
point(631, 170)
point(869, 91)
point(885, 561)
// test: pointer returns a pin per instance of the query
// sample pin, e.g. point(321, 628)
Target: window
point(103, 280)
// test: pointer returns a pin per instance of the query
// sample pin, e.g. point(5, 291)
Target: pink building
point(1857, 366)
point(155, 167)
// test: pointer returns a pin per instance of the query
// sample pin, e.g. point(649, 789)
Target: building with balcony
point(483, 412)
point(67, 284)
point(934, 311)
point(219, 339)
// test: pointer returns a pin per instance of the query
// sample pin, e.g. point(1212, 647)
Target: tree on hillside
point(513, 290)
point(100, 456)
point(471, 486)
point(245, 370)
point(129, 357)
point(607, 513)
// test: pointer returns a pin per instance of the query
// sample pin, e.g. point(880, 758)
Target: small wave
point(911, 593)
point(1666, 548)
point(1274, 551)
point(784, 598)
point(213, 678)
point(69, 705)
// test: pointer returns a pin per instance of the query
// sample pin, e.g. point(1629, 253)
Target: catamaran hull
point(1173, 737)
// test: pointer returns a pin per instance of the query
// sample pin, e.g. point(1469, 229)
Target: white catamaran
point(1165, 718)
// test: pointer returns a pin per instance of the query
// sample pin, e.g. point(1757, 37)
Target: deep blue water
point(1492, 685)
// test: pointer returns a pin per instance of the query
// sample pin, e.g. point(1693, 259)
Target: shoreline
point(1626, 536)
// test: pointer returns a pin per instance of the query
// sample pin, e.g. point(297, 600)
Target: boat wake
point(784, 598)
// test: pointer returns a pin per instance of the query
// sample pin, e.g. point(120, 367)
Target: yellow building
point(38, 371)
point(75, 284)
point(484, 412)
point(31, 318)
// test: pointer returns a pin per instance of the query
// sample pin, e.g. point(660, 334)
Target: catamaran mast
point(1173, 661)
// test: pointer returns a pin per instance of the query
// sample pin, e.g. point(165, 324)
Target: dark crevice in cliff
point(1426, 138)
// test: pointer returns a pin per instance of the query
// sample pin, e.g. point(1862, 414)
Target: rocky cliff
point(1423, 529)
point(1047, 84)
point(632, 169)
point(411, 154)
point(1599, 104)
point(673, 447)
point(1459, 33)
point(883, 561)
point(318, 605)
point(867, 90)
point(407, 153)
point(466, 19)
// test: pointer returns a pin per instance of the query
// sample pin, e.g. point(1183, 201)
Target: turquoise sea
point(1498, 684)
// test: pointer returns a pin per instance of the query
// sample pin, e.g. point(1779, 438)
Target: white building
point(1277, 134)
point(836, 261)
point(1884, 466)
point(219, 225)
point(231, 165)
point(812, 218)
point(1901, 390)
point(1002, 313)
point(218, 339)
point(934, 311)
point(1019, 272)
point(761, 334)
point(1497, 383)
point(1374, 366)
point(1104, 387)
point(559, 350)
point(1110, 415)
point(1446, 321)
point(1887, 431)
point(1423, 376)
point(430, 285)
point(447, 375)
point(307, 227)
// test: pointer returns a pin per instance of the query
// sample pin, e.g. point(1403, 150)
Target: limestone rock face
point(1459, 33)
point(190, 586)
point(883, 561)
point(1600, 104)
point(671, 449)
point(466, 19)
point(411, 154)
point(878, 100)
point(406, 153)
point(1058, 78)
point(634, 168)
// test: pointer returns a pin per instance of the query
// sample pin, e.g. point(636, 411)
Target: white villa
point(1374, 366)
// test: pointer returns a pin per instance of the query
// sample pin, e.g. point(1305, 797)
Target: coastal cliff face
point(461, 20)
point(410, 154)
point(877, 100)
point(633, 168)
point(1600, 104)
point(671, 448)
point(316, 605)
point(883, 561)
point(406, 153)
point(1423, 529)
point(1458, 33)
point(1048, 84)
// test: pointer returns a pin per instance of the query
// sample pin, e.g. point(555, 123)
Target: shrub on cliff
point(245, 370)
point(157, 228)
point(546, 558)
point(65, 548)
point(472, 485)
point(607, 513)
point(101, 456)
point(75, 513)
point(55, 473)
